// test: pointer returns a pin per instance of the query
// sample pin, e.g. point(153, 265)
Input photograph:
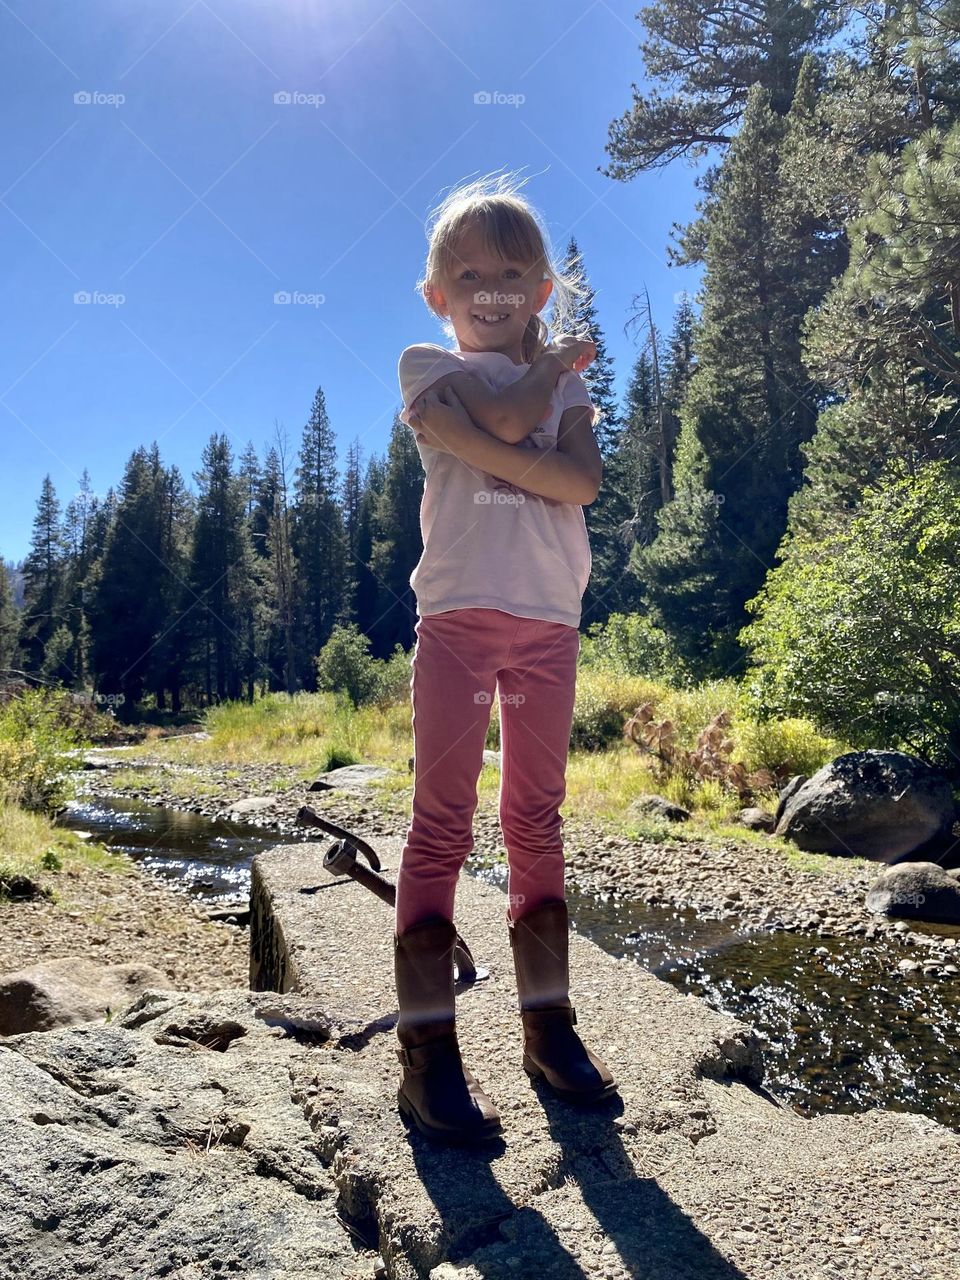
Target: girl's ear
point(435, 300)
point(544, 290)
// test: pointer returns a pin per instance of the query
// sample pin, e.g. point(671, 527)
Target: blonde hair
point(511, 229)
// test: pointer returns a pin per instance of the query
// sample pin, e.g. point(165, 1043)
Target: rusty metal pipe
point(341, 860)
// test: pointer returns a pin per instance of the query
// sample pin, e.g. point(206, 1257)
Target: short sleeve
point(419, 367)
point(574, 392)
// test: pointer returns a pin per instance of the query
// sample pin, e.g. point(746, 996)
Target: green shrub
point(345, 665)
point(860, 633)
point(395, 676)
point(629, 643)
point(770, 744)
point(34, 740)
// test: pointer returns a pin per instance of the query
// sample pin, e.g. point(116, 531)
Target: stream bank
point(763, 884)
point(827, 1048)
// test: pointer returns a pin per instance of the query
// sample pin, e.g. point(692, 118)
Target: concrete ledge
point(693, 1174)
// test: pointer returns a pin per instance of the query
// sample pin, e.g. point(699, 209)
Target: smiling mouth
point(498, 319)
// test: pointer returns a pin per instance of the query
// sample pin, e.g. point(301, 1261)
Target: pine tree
point(708, 56)
point(711, 55)
point(647, 462)
point(351, 505)
point(612, 519)
point(680, 365)
point(9, 623)
point(396, 544)
point(318, 541)
point(135, 588)
point(43, 586)
point(749, 407)
point(599, 376)
point(226, 581)
point(368, 533)
point(272, 539)
point(79, 525)
point(606, 589)
point(885, 339)
point(248, 474)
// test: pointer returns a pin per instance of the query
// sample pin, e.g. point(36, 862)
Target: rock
point(253, 804)
point(711, 1157)
point(917, 890)
point(21, 888)
point(787, 793)
point(91, 761)
point(352, 776)
point(648, 806)
point(756, 819)
point(168, 1144)
point(871, 804)
point(68, 990)
point(232, 915)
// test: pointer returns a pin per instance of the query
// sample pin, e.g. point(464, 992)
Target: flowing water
point(843, 1030)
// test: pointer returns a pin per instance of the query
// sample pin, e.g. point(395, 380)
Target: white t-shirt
point(487, 543)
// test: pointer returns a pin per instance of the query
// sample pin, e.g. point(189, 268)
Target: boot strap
point(552, 1015)
point(417, 1056)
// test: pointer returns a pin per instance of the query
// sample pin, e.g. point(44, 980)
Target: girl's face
point(489, 300)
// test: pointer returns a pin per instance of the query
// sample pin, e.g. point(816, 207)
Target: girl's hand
point(576, 353)
point(439, 420)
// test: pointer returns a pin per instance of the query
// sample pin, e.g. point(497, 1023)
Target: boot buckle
point(568, 1012)
point(416, 1056)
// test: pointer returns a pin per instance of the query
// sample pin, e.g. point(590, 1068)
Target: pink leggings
point(462, 660)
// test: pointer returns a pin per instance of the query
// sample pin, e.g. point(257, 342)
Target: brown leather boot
point(552, 1050)
point(438, 1093)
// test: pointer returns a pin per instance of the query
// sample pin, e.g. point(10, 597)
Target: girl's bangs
point(506, 234)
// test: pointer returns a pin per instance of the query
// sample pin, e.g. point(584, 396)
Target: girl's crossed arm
point(570, 473)
point(511, 413)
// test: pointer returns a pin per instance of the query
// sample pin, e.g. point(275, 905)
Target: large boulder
point(170, 1143)
point(787, 793)
point(917, 890)
point(871, 804)
point(58, 993)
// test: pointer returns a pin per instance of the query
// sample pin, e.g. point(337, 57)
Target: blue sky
point(182, 197)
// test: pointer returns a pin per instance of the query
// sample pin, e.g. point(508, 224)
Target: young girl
point(504, 429)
